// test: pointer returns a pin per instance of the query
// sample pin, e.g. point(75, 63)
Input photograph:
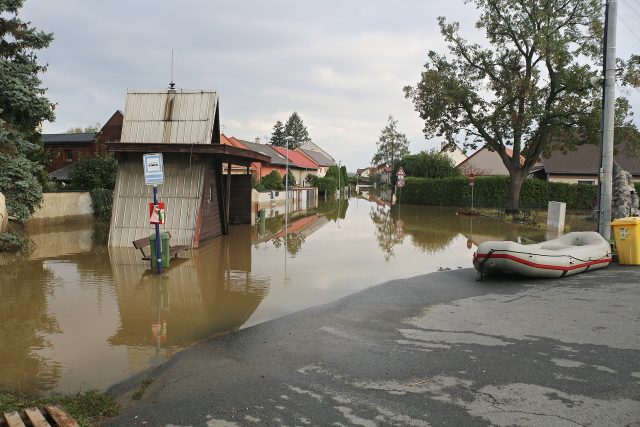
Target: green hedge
point(492, 191)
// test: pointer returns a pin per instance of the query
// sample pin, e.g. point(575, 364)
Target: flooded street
point(77, 315)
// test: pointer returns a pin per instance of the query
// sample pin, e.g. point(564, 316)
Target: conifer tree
point(278, 135)
point(296, 131)
point(23, 108)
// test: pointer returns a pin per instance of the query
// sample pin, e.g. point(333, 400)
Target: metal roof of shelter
point(69, 138)
point(171, 117)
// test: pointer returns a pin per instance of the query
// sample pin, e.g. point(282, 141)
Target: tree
point(296, 130)
point(23, 107)
point(528, 88)
point(278, 135)
point(392, 145)
point(90, 128)
point(431, 164)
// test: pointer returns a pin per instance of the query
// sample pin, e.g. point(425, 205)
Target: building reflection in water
point(212, 292)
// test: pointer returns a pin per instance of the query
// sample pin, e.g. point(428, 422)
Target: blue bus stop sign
point(153, 169)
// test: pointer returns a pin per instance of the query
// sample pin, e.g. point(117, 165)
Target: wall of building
point(4, 218)
point(64, 206)
point(59, 155)
point(575, 179)
point(485, 162)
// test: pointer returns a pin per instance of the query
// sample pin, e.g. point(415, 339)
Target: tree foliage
point(23, 107)
point(272, 181)
point(428, 164)
point(278, 135)
point(392, 145)
point(296, 131)
point(94, 172)
point(527, 88)
point(86, 129)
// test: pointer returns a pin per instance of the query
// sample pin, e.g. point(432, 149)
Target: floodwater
point(76, 315)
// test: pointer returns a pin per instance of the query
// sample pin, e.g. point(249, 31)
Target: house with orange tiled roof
point(300, 166)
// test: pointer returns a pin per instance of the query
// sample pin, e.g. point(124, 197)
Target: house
point(276, 161)
point(67, 148)
point(485, 162)
point(320, 158)
point(201, 201)
point(300, 166)
point(310, 146)
point(362, 172)
point(581, 165)
point(456, 154)
point(385, 172)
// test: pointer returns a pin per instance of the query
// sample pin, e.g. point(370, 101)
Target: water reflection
point(76, 315)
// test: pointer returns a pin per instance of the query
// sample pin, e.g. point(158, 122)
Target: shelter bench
point(49, 416)
point(174, 251)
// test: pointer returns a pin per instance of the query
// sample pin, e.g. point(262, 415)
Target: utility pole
point(606, 187)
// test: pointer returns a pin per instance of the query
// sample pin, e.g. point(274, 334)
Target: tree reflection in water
point(386, 230)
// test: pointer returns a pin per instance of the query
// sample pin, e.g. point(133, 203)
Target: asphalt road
point(438, 349)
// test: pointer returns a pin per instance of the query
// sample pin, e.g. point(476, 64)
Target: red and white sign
point(472, 180)
point(156, 213)
point(400, 183)
point(401, 173)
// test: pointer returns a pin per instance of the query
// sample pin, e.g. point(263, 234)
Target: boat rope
point(607, 255)
point(481, 266)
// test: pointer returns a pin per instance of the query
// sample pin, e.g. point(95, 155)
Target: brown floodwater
point(76, 315)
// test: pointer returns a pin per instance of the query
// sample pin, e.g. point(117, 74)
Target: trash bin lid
point(631, 220)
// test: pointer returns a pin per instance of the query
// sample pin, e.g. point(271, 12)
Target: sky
point(341, 64)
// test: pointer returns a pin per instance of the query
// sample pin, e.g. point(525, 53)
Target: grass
point(86, 408)
point(143, 386)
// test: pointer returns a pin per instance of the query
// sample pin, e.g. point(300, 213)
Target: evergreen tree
point(278, 135)
point(23, 107)
point(296, 130)
point(392, 145)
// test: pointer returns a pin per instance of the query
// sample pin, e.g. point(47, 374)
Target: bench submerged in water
point(146, 242)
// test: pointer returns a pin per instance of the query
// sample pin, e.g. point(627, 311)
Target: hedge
point(492, 191)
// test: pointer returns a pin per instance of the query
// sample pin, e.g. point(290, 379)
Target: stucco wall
point(61, 206)
point(573, 179)
point(485, 162)
point(4, 220)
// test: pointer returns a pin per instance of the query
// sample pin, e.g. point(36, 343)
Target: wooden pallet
point(49, 416)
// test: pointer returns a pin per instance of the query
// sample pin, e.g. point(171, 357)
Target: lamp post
point(286, 195)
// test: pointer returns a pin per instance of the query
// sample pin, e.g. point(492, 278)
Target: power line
point(629, 28)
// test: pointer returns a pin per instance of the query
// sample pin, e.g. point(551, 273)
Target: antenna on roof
point(172, 85)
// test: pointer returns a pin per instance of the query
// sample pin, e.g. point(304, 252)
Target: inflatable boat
point(572, 253)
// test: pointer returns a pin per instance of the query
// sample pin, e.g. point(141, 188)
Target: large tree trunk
point(513, 202)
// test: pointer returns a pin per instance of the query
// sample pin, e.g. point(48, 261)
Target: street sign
point(153, 169)
point(401, 173)
point(472, 180)
point(156, 213)
point(400, 183)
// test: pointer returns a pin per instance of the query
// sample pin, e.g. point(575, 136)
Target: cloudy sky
point(341, 64)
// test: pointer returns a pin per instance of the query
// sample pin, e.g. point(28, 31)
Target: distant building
point(310, 146)
point(323, 160)
point(67, 148)
point(485, 162)
point(581, 165)
point(456, 154)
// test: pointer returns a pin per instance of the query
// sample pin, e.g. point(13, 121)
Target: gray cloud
point(340, 64)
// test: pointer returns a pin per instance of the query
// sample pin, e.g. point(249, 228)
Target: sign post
point(400, 174)
point(154, 175)
point(472, 183)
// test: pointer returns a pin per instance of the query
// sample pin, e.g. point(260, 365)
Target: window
point(586, 182)
point(68, 155)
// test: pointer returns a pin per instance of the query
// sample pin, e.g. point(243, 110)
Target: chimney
point(257, 140)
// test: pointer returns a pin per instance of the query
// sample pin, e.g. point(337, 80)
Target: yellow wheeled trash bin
point(627, 234)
